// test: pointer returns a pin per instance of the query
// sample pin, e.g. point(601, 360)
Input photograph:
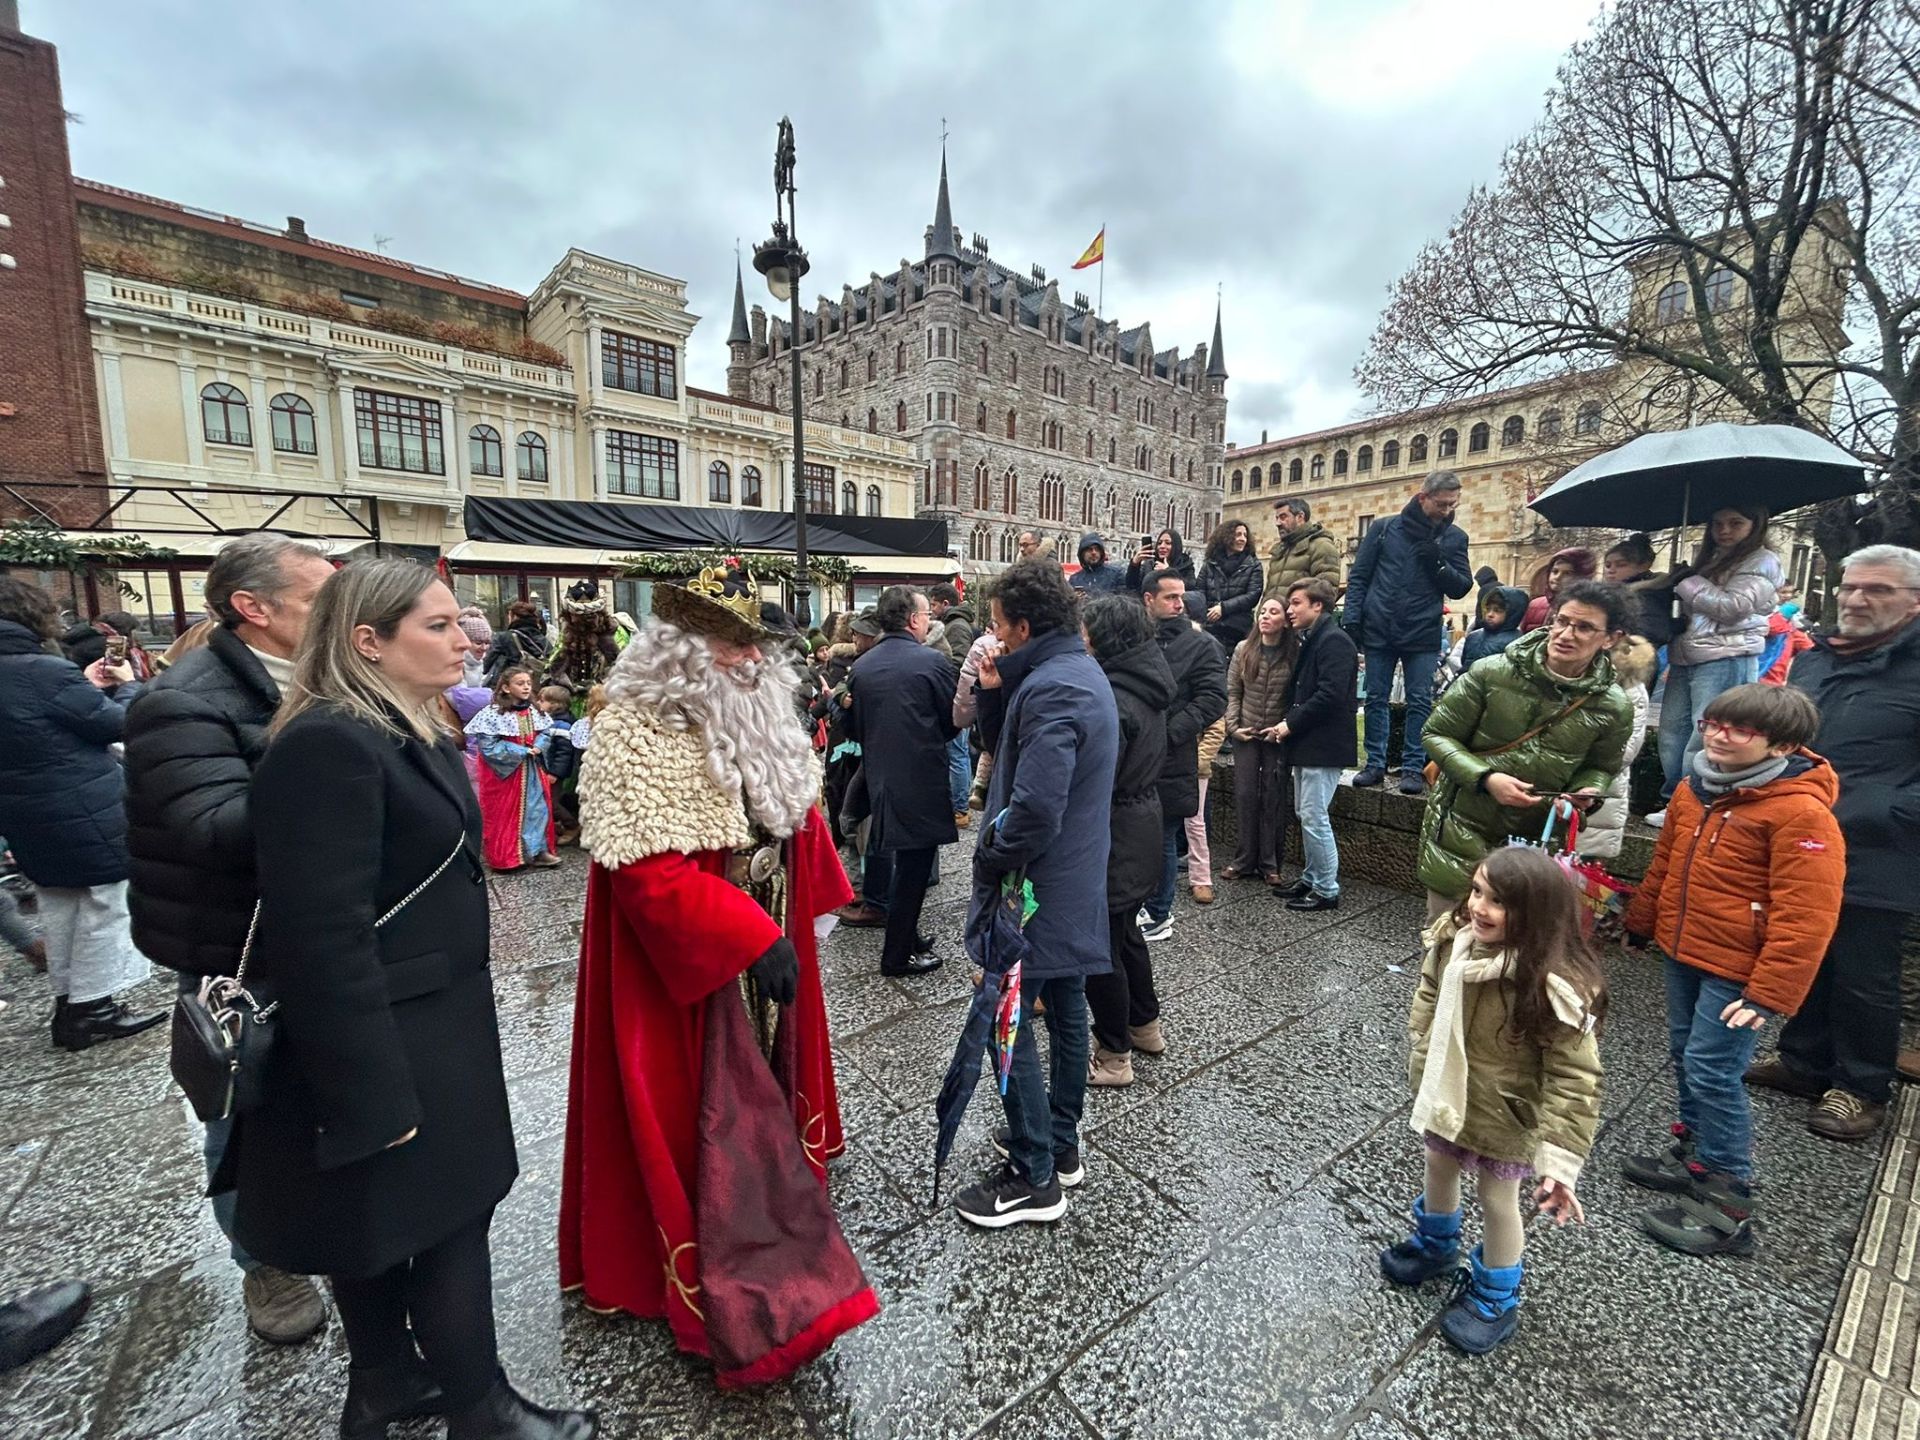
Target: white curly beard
point(757, 748)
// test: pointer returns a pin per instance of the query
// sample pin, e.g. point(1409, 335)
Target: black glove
point(1633, 941)
point(777, 972)
point(985, 871)
point(1429, 553)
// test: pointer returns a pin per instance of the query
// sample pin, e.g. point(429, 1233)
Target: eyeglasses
point(1580, 629)
point(1739, 734)
point(1874, 592)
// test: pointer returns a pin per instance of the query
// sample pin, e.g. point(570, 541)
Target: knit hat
point(475, 627)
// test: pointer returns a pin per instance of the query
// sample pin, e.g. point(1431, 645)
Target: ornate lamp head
point(708, 606)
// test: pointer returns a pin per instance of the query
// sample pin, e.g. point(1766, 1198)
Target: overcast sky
point(1294, 153)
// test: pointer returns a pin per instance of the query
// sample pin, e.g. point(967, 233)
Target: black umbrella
point(1673, 477)
point(996, 944)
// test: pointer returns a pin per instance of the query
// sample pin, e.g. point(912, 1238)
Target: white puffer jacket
point(1600, 836)
point(1727, 621)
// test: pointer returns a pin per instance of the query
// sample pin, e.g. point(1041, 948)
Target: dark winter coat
point(1178, 561)
point(1142, 690)
point(1651, 615)
point(62, 798)
point(523, 644)
point(1233, 582)
point(1494, 704)
point(902, 716)
point(1492, 639)
point(1053, 774)
point(193, 741)
point(1257, 679)
point(1406, 571)
point(1199, 698)
point(1309, 553)
point(1323, 698)
point(382, 1031)
point(1103, 576)
point(962, 630)
point(1870, 734)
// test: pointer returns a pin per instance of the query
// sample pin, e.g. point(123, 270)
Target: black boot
point(39, 1320)
point(506, 1414)
point(59, 1016)
point(379, 1396)
point(75, 1027)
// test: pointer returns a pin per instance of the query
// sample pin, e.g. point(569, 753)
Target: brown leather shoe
point(1908, 1065)
point(1203, 894)
point(1773, 1073)
point(861, 916)
point(1843, 1115)
point(962, 819)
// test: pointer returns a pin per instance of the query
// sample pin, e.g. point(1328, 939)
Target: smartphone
point(117, 649)
point(1146, 542)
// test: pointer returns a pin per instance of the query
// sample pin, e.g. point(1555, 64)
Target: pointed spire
point(1216, 353)
point(943, 241)
point(739, 334)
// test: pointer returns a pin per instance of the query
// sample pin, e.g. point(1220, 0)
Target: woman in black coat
point(1230, 579)
point(1166, 553)
point(1126, 1011)
point(382, 1142)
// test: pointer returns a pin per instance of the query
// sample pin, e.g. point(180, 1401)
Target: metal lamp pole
point(784, 264)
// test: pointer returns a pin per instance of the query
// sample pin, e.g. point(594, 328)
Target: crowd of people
point(301, 809)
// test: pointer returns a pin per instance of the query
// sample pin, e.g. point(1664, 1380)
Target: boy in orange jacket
point(1742, 898)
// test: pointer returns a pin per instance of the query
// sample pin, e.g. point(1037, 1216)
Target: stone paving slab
point(1215, 1277)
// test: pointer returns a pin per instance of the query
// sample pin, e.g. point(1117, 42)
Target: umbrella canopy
point(995, 943)
point(1675, 477)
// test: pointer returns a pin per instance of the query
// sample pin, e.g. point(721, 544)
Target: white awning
point(477, 554)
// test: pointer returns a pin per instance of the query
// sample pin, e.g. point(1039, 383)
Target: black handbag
point(222, 1040)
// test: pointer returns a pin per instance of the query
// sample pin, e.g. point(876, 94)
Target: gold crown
point(712, 585)
point(702, 605)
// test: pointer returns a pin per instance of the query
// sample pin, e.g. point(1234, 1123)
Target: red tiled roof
point(112, 197)
point(732, 399)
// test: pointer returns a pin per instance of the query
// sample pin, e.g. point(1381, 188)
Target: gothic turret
point(1216, 353)
point(942, 240)
point(739, 340)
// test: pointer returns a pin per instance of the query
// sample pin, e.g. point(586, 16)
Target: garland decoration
point(36, 545)
point(679, 564)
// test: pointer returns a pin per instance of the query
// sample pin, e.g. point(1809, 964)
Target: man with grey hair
point(1840, 1049)
point(192, 743)
point(1407, 568)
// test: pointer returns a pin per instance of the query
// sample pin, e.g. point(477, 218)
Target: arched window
point(1719, 289)
point(873, 365)
point(1551, 424)
point(1089, 444)
point(530, 458)
point(982, 487)
point(1293, 473)
point(1239, 481)
point(1363, 460)
point(819, 382)
point(1339, 462)
point(873, 500)
point(750, 486)
point(1479, 437)
point(1112, 450)
point(1417, 450)
point(1010, 500)
point(1587, 422)
point(900, 358)
point(1093, 394)
point(292, 421)
point(849, 498)
point(980, 416)
point(1253, 478)
point(719, 483)
point(1512, 430)
point(484, 453)
point(1013, 425)
point(873, 421)
point(1390, 455)
point(1013, 368)
point(983, 357)
point(223, 415)
point(843, 374)
point(900, 415)
point(1318, 469)
point(1449, 444)
point(1086, 507)
point(1113, 401)
point(1671, 303)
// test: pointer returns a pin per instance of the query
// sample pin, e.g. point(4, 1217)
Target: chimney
point(1263, 437)
point(9, 17)
point(296, 227)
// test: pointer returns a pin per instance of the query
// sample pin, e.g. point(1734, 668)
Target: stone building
point(1026, 411)
point(1509, 445)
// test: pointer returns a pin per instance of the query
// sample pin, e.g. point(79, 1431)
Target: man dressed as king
point(702, 1108)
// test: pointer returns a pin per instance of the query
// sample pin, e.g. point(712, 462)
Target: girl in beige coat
point(1505, 1069)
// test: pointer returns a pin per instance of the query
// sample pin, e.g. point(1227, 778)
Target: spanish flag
point(1096, 252)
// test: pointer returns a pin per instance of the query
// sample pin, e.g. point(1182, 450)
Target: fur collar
point(644, 790)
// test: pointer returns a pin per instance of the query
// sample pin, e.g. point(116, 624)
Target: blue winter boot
point(1486, 1307)
point(1433, 1247)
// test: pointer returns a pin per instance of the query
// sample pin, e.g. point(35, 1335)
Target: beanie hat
point(478, 632)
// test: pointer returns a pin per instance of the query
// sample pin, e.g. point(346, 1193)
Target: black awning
point(607, 525)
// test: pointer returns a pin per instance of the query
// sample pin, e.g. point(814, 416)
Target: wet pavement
point(1214, 1277)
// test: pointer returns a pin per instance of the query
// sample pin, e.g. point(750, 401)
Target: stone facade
point(1025, 411)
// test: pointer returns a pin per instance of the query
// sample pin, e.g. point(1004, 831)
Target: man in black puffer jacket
point(1200, 698)
point(193, 741)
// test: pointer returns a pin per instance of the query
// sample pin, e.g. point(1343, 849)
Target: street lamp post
point(784, 264)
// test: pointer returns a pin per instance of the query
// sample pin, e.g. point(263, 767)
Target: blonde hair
point(329, 668)
point(194, 637)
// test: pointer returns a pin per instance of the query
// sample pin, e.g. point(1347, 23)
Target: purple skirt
point(1473, 1160)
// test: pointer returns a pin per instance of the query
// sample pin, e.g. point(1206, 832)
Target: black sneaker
point(1067, 1166)
point(1667, 1170)
point(1369, 776)
point(1714, 1217)
point(1008, 1199)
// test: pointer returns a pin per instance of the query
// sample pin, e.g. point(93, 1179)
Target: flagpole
point(1100, 305)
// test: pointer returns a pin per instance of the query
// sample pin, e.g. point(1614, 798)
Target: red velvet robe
point(694, 1188)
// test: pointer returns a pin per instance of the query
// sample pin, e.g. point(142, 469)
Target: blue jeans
point(1709, 1063)
point(1160, 904)
point(959, 771)
point(1313, 787)
point(213, 1148)
point(1419, 666)
point(1690, 689)
point(1043, 1112)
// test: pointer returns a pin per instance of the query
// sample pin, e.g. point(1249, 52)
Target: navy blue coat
point(1142, 692)
point(1488, 640)
point(902, 715)
point(1107, 578)
point(62, 799)
point(1322, 698)
point(1058, 744)
point(1398, 587)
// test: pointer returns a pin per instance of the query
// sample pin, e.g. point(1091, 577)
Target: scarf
point(1440, 1106)
point(1713, 783)
point(1849, 647)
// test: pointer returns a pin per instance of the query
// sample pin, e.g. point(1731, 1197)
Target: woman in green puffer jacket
point(1549, 707)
